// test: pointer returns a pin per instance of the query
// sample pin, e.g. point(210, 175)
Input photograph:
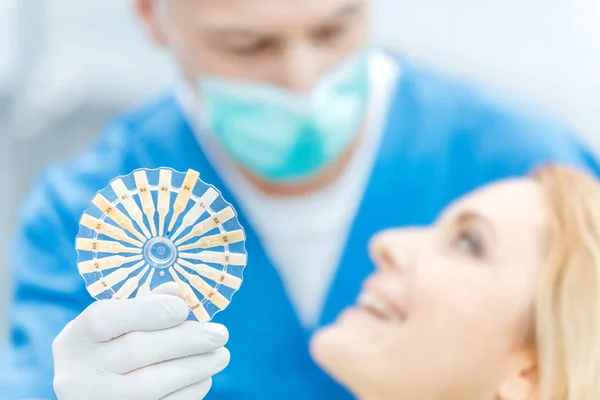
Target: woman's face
point(450, 308)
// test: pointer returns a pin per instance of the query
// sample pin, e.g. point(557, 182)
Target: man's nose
point(397, 249)
point(300, 69)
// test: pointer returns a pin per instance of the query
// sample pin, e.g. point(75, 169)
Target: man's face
point(289, 43)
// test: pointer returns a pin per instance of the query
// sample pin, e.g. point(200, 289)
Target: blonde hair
point(568, 303)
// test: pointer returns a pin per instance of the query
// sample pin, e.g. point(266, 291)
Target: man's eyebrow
point(347, 10)
point(245, 34)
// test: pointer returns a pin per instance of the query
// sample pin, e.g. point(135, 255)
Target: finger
point(108, 319)
point(167, 288)
point(139, 349)
point(170, 376)
point(196, 391)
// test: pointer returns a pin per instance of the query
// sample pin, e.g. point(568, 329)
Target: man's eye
point(469, 243)
point(257, 47)
point(329, 34)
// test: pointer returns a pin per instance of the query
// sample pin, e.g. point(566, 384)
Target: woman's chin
point(331, 349)
point(348, 347)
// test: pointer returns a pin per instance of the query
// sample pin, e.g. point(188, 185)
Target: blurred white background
point(66, 66)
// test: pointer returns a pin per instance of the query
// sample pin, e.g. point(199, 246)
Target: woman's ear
point(149, 13)
point(522, 383)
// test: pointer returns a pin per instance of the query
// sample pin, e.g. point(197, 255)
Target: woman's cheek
point(444, 296)
point(433, 285)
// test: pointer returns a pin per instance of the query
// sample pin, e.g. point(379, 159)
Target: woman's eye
point(469, 243)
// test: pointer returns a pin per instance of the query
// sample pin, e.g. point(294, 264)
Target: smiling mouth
point(379, 308)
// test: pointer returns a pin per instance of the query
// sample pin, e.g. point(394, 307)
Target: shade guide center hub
point(160, 252)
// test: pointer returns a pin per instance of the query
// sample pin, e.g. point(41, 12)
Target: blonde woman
point(499, 300)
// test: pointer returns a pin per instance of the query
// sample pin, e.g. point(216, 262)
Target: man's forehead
point(260, 13)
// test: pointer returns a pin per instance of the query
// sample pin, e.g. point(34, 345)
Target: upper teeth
point(377, 305)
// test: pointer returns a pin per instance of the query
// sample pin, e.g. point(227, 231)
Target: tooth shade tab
point(216, 257)
point(145, 196)
point(113, 279)
point(144, 290)
point(101, 264)
point(132, 208)
point(107, 229)
point(209, 293)
point(209, 224)
point(112, 212)
point(164, 198)
point(130, 286)
point(191, 299)
point(104, 246)
point(213, 274)
point(202, 205)
point(221, 239)
point(183, 197)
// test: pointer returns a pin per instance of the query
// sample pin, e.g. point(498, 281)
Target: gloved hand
point(138, 349)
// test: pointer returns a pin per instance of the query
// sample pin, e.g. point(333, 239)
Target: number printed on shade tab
point(153, 227)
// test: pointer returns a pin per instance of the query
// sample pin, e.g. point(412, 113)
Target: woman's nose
point(395, 249)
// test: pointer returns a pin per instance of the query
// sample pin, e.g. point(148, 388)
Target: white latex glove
point(138, 349)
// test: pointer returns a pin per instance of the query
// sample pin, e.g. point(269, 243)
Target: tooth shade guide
point(101, 264)
point(210, 293)
point(183, 197)
point(202, 205)
point(221, 239)
point(129, 286)
point(191, 299)
point(145, 196)
point(127, 201)
point(213, 274)
point(216, 257)
point(210, 223)
point(108, 282)
point(144, 289)
point(107, 229)
point(104, 246)
point(116, 215)
point(175, 203)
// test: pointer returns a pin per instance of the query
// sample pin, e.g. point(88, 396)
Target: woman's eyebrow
point(475, 218)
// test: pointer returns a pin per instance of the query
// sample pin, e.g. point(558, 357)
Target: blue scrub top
point(443, 138)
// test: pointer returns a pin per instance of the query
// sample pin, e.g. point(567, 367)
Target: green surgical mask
point(281, 136)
